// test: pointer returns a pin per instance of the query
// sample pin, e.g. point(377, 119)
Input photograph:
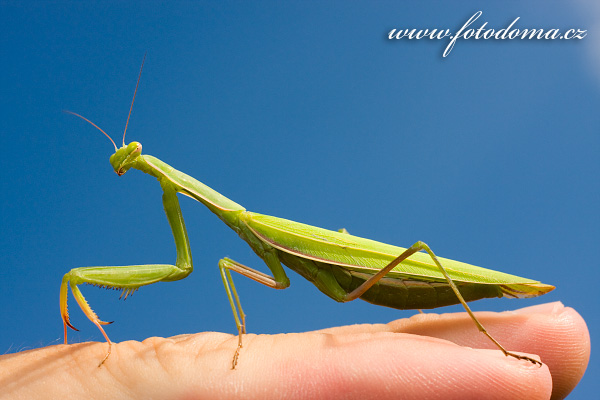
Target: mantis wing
point(364, 255)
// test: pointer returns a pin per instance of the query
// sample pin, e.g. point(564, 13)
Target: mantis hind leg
point(419, 246)
point(278, 281)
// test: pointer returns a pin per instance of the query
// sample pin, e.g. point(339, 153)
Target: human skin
point(422, 357)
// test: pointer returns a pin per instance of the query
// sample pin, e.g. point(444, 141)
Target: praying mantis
point(342, 266)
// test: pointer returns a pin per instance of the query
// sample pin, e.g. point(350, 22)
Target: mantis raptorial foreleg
point(108, 277)
point(226, 265)
point(131, 277)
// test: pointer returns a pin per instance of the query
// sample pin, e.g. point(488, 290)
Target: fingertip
point(558, 334)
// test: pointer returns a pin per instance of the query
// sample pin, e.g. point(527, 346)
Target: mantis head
point(125, 157)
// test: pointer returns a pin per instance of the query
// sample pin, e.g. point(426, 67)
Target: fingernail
point(546, 308)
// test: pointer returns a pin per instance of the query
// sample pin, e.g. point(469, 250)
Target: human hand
point(421, 357)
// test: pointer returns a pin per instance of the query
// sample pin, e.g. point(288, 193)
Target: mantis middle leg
point(278, 281)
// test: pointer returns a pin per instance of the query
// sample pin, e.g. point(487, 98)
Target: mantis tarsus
point(342, 266)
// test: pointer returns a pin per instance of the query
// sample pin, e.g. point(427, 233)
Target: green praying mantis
point(342, 266)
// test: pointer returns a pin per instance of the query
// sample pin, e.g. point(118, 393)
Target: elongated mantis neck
point(224, 208)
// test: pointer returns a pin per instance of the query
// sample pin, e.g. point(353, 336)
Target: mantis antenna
point(128, 116)
point(96, 126)
point(132, 100)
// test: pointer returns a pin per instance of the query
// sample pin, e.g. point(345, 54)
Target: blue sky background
point(301, 110)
